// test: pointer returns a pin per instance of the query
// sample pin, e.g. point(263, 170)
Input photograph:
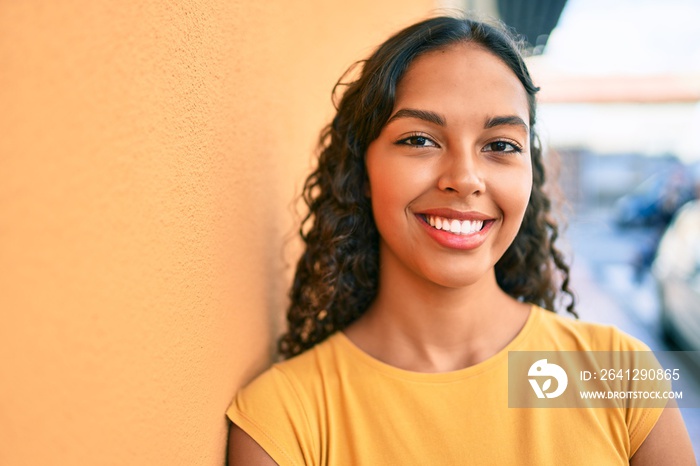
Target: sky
point(627, 37)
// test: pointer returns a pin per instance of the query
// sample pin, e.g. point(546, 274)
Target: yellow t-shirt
point(336, 405)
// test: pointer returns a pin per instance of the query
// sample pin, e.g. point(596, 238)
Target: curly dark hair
point(337, 276)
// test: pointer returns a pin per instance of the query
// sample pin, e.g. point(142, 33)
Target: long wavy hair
point(337, 276)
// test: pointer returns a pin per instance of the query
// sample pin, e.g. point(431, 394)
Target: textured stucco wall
point(149, 152)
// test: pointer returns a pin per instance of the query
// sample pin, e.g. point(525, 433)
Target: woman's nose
point(461, 173)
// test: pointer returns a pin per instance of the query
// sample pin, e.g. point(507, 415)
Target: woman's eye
point(501, 146)
point(418, 141)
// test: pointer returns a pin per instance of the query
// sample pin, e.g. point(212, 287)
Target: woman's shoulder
point(275, 407)
point(296, 374)
point(568, 333)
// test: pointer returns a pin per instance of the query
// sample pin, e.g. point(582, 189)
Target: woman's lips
point(457, 230)
point(453, 214)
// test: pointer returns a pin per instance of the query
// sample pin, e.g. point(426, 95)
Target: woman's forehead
point(462, 77)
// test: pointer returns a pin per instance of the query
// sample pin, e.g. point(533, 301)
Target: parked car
point(654, 201)
point(676, 270)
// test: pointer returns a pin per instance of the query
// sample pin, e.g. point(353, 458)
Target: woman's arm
point(244, 451)
point(667, 443)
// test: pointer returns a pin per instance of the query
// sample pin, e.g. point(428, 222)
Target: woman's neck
point(417, 325)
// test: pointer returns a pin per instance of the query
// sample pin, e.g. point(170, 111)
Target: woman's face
point(450, 173)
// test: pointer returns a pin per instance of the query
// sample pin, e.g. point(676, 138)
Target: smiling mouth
point(454, 226)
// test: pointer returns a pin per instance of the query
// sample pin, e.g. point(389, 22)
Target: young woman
point(429, 256)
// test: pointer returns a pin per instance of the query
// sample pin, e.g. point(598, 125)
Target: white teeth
point(455, 226)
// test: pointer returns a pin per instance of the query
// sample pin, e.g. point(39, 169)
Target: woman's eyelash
point(417, 140)
point(503, 146)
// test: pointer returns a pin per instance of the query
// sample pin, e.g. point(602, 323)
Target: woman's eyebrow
point(424, 115)
point(509, 120)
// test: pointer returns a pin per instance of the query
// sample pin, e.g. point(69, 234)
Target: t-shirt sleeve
point(641, 420)
point(271, 412)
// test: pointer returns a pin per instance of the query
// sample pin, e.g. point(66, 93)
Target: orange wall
point(149, 152)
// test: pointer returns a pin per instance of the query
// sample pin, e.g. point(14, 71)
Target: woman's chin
point(458, 278)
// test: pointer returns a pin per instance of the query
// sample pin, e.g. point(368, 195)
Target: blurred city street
point(603, 278)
